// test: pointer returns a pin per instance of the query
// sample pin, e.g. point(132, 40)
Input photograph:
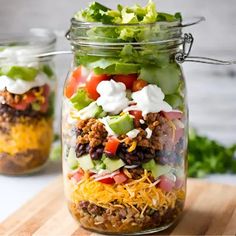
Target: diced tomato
point(172, 115)
point(137, 117)
point(112, 145)
point(46, 90)
point(20, 106)
point(76, 78)
point(29, 98)
point(92, 83)
point(44, 106)
point(71, 87)
point(166, 184)
point(120, 178)
point(138, 85)
point(78, 175)
point(107, 181)
point(128, 80)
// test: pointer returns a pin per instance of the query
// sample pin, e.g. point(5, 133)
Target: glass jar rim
point(77, 37)
point(40, 38)
point(188, 21)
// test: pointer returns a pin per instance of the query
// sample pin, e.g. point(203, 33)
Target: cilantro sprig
point(208, 156)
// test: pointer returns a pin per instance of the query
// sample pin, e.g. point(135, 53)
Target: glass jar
point(26, 101)
point(125, 127)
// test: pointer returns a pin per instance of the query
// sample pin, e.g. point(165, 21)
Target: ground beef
point(91, 208)
point(91, 131)
point(22, 163)
point(122, 219)
point(9, 114)
point(161, 138)
point(136, 173)
point(91, 137)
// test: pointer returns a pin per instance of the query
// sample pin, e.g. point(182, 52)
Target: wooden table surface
point(210, 210)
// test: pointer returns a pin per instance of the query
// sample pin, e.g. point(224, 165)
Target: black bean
point(80, 150)
point(96, 152)
point(137, 157)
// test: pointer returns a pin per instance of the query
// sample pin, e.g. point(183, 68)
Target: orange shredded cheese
point(27, 134)
point(133, 146)
point(137, 194)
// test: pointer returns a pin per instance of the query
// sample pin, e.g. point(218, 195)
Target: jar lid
point(39, 38)
point(15, 47)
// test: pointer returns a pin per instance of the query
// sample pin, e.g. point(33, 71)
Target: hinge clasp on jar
point(183, 56)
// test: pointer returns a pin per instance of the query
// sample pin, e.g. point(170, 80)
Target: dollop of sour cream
point(112, 96)
point(133, 133)
point(149, 99)
point(19, 86)
point(21, 56)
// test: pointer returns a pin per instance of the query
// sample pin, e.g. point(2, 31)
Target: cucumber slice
point(175, 100)
point(85, 162)
point(167, 78)
point(113, 165)
point(157, 170)
point(72, 159)
point(121, 124)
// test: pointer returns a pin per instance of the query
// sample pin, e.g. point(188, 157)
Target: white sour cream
point(149, 133)
point(133, 133)
point(149, 99)
point(112, 96)
point(19, 86)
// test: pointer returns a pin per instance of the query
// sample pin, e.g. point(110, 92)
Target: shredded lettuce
point(137, 14)
point(80, 100)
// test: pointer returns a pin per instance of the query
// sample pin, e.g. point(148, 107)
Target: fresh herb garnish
point(207, 156)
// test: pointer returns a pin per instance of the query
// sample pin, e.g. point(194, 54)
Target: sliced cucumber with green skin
point(102, 114)
point(121, 124)
point(72, 159)
point(85, 162)
point(35, 106)
point(175, 100)
point(113, 165)
point(99, 165)
point(167, 78)
point(157, 170)
point(19, 72)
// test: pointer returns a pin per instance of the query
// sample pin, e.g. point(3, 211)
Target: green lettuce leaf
point(80, 100)
point(167, 78)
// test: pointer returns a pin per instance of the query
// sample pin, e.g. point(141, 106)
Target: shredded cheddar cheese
point(27, 134)
point(138, 194)
point(133, 146)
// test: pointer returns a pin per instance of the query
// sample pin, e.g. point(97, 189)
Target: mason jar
point(125, 128)
point(26, 101)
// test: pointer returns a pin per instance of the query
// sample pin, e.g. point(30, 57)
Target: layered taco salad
point(124, 125)
point(26, 110)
